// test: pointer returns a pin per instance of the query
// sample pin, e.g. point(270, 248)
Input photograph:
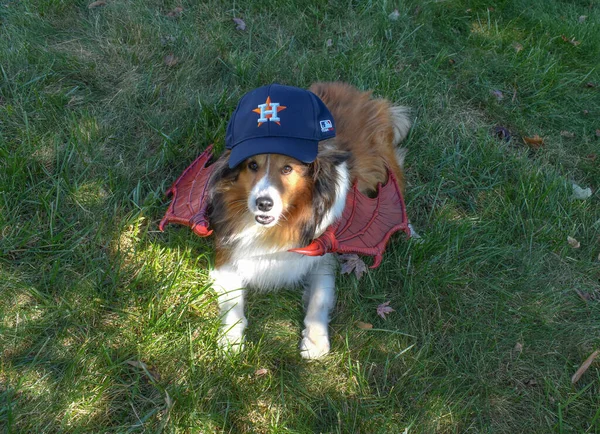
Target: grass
point(107, 325)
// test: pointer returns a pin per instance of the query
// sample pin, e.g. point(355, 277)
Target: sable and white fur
point(271, 203)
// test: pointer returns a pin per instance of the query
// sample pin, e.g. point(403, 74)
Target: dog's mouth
point(264, 219)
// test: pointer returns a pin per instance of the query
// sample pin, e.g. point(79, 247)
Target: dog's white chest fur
point(266, 270)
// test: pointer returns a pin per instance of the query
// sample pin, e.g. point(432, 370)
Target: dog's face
point(282, 198)
point(277, 186)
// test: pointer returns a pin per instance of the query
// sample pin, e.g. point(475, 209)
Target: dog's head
point(280, 197)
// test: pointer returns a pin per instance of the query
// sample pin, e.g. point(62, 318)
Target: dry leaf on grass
point(96, 4)
point(584, 367)
point(518, 47)
point(364, 325)
point(241, 25)
point(534, 142)
point(175, 12)
point(260, 372)
point(352, 263)
point(384, 309)
point(598, 133)
point(568, 134)
point(581, 19)
point(171, 60)
point(518, 349)
point(573, 242)
point(329, 43)
point(394, 15)
point(571, 41)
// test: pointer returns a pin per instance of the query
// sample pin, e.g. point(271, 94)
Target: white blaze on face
point(265, 189)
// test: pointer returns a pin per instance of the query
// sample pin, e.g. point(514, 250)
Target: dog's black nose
point(264, 204)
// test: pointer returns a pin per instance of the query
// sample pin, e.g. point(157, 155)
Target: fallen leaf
point(598, 133)
point(518, 47)
point(518, 349)
point(586, 112)
point(591, 157)
point(573, 242)
point(352, 263)
point(590, 84)
point(581, 193)
point(364, 325)
point(260, 372)
point(451, 61)
point(567, 134)
point(598, 257)
point(499, 95)
point(582, 18)
point(241, 25)
point(571, 41)
point(584, 367)
point(170, 60)
point(502, 133)
point(175, 12)
point(384, 309)
point(394, 15)
point(530, 382)
point(96, 4)
point(534, 142)
point(329, 43)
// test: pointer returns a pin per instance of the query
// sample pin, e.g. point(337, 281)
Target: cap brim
point(301, 149)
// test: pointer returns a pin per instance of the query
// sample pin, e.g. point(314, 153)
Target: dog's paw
point(313, 346)
point(232, 340)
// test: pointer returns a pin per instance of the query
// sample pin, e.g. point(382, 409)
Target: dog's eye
point(286, 170)
point(253, 166)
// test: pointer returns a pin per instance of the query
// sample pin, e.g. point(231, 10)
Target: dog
point(272, 191)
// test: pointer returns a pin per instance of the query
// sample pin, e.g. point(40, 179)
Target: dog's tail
point(401, 124)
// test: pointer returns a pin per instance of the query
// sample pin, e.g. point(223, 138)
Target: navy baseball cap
point(277, 119)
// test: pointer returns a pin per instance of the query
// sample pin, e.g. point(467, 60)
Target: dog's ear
point(325, 175)
point(222, 172)
point(327, 159)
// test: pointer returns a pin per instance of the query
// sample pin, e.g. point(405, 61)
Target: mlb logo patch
point(326, 125)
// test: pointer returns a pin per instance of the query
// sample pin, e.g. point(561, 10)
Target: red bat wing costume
point(365, 226)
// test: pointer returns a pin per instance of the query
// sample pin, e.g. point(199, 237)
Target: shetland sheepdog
point(271, 203)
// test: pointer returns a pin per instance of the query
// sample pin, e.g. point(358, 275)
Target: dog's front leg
point(320, 298)
point(229, 288)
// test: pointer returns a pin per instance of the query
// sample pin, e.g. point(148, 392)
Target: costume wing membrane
point(365, 226)
point(189, 192)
